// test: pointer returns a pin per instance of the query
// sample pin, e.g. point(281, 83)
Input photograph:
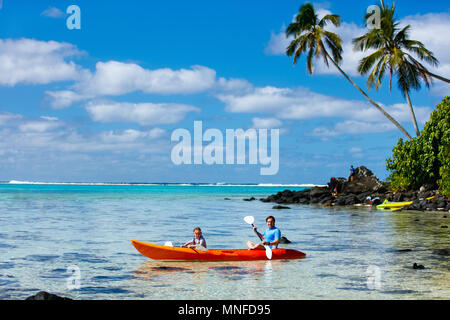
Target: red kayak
point(158, 252)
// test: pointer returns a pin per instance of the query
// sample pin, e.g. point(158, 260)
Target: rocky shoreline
point(364, 189)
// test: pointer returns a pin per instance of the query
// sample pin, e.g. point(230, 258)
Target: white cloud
point(142, 113)
point(353, 127)
point(286, 103)
point(40, 125)
point(29, 61)
point(301, 103)
point(156, 133)
point(64, 98)
point(115, 78)
point(266, 123)
point(130, 135)
point(52, 12)
point(278, 43)
point(35, 137)
point(49, 118)
point(8, 118)
point(233, 85)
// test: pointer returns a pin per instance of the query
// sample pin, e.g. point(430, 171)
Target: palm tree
point(393, 53)
point(427, 71)
point(311, 36)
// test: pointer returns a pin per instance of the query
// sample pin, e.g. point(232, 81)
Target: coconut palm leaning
point(311, 36)
point(393, 54)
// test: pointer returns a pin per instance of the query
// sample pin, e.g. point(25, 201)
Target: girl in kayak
point(197, 241)
point(271, 237)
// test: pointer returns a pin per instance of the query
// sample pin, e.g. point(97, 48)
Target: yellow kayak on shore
point(393, 206)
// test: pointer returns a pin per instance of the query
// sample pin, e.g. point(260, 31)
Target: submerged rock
point(442, 252)
point(279, 207)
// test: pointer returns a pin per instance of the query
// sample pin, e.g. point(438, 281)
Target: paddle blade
point(249, 219)
point(168, 244)
point(268, 253)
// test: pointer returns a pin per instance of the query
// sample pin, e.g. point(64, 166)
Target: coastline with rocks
point(364, 189)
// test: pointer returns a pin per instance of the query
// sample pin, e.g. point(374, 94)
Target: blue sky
point(100, 103)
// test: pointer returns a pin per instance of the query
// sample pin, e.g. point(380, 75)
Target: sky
point(100, 103)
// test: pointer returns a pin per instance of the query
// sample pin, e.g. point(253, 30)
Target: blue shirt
point(272, 234)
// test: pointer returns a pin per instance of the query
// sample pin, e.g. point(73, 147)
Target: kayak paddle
point(250, 220)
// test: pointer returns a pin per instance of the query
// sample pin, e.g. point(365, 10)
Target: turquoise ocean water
point(48, 231)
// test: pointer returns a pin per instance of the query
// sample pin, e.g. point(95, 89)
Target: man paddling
point(197, 241)
point(271, 237)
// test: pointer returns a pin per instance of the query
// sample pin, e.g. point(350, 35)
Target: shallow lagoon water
point(352, 253)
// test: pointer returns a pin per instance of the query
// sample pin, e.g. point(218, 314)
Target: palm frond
point(333, 18)
point(367, 63)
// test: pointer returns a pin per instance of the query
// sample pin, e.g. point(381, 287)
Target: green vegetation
point(424, 160)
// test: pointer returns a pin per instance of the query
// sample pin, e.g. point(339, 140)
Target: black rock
point(251, 199)
point(441, 204)
point(351, 199)
point(43, 295)
point(317, 192)
point(315, 200)
point(442, 252)
point(280, 207)
point(284, 240)
point(340, 201)
point(418, 266)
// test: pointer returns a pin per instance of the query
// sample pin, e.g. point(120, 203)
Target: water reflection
point(175, 273)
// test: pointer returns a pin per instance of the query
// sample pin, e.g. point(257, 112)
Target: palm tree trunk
point(413, 116)
point(387, 115)
point(438, 77)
